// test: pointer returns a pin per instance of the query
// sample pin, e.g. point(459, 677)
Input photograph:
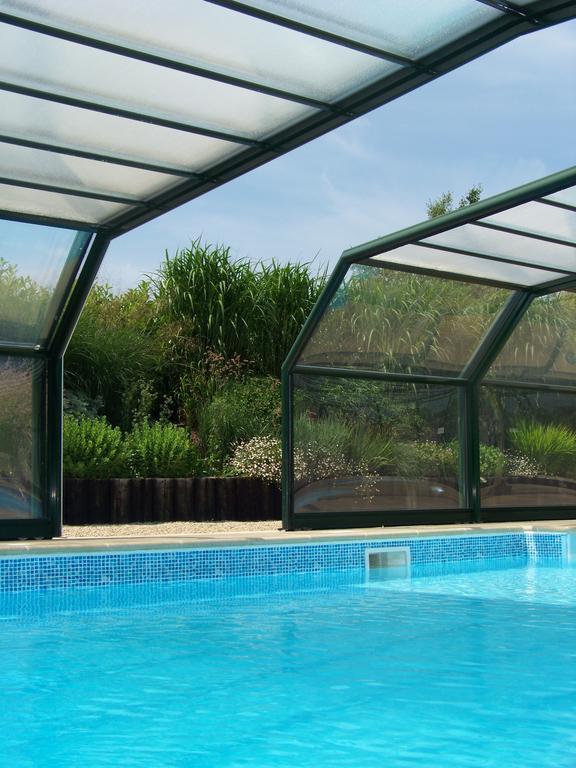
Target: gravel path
point(170, 529)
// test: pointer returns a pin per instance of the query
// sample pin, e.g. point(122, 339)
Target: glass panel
point(466, 266)
point(542, 347)
point(399, 322)
point(35, 262)
point(54, 205)
point(98, 76)
point(539, 219)
point(567, 196)
point(409, 27)
point(223, 40)
point(493, 243)
point(374, 446)
point(21, 405)
point(45, 121)
point(76, 173)
point(528, 448)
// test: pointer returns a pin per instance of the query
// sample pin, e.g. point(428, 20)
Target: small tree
point(445, 202)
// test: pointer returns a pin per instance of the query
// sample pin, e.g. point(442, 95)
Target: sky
point(502, 120)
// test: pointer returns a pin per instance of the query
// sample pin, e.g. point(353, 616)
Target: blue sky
point(500, 121)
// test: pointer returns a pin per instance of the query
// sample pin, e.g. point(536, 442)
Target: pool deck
point(263, 537)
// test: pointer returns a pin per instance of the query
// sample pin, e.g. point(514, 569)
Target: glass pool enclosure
point(435, 380)
point(110, 117)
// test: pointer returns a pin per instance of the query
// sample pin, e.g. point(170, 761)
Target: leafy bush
point(550, 446)
point(259, 457)
point(162, 450)
point(113, 349)
point(93, 448)
point(242, 410)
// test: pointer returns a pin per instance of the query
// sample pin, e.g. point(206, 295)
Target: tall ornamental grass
point(216, 304)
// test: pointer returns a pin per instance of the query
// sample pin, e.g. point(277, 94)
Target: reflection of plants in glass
point(426, 459)
point(521, 466)
point(16, 423)
point(382, 318)
point(550, 446)
point(441, 460)
point(329, 448)
point(22, 300)
point(492, 461)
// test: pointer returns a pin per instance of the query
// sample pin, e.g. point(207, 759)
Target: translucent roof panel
point(461, 265)
point(524, 238)
point(408, 27)
point(527, 250)
point(55, 205)
point(231, 43)
point(542, 347)
point(539, 219)
point(60, 125)
point(155, 104)
point(117, 81)
point(397, 322)
point(37, 264)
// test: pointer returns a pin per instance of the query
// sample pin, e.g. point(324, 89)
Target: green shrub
point(93, 448)
point(550, 446)
point(242, 410)
point(163, 450)
point(114, 349)
point(259, 457)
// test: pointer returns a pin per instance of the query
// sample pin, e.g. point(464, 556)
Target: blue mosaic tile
point(43, 572)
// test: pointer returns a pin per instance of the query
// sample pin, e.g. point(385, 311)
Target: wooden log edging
point(155, 500)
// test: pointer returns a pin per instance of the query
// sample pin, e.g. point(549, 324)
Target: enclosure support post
point(53, 488)
point(287, 448)
point(472, 451)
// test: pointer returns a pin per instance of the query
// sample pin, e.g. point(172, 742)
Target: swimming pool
point(468, 662)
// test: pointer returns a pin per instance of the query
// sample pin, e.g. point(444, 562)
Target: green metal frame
point(76, 281)
point(469, 381)
point(78, 276)
point(411, 74)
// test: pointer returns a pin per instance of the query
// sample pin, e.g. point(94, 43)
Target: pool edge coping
point(268, 538)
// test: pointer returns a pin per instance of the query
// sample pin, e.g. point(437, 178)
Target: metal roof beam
point(512, 9)
point(558, 204)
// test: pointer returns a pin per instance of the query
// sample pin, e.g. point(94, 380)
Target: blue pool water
point(457, 666)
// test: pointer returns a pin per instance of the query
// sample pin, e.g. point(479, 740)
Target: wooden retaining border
point(155, 500)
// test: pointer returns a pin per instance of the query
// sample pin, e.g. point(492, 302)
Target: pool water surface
point(455, 666)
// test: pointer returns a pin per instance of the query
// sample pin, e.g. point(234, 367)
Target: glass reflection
point(21, 408)
point(36, 263)
point(374, 446)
